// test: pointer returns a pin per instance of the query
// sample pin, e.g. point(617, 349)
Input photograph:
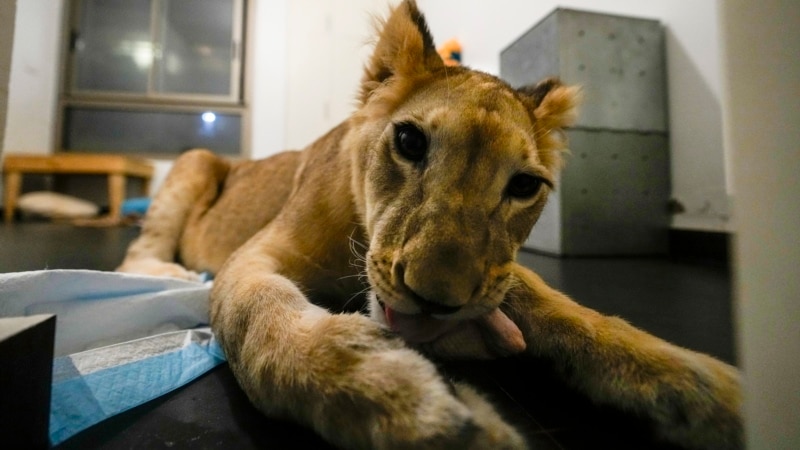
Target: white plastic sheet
point(115, 342)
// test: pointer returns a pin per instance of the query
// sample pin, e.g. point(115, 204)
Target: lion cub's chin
point(492, 335)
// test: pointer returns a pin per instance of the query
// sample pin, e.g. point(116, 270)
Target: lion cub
point(436, 180)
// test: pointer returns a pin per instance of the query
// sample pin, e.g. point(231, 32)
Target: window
point(153, 76)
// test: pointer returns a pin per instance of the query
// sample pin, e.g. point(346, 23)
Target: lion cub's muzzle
point(440, 279)
point(443, 296)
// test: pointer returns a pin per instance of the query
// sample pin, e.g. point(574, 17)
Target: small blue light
point(209, 117)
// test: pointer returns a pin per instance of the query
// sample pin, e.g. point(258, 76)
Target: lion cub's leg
point(192, 183)
point(694, 400)
point(344, 375)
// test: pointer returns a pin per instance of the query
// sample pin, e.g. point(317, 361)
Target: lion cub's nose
point(437, 289)
point(429, 307)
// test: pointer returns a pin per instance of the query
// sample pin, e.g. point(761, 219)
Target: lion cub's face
point(453, 185)
point(452, 168)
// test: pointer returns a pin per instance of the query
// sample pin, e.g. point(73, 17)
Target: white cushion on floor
point(55, 205)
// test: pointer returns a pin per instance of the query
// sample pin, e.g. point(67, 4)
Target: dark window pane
point(197, 47)
point(115, 131)
point(114, 50)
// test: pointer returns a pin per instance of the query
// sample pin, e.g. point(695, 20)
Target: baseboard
point(706, 246)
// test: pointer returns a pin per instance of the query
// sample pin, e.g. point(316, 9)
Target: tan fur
point(435, 236)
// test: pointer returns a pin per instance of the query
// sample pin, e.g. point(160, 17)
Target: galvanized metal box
point(613, 194)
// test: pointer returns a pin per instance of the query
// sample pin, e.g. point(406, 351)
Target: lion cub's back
point(252, 195)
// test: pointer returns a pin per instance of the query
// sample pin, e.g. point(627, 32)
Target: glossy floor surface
point(685, 302)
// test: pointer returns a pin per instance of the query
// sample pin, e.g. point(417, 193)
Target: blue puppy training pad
point(91, 386)
point(116, 341)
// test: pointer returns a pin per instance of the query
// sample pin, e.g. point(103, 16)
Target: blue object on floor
point(135, 206)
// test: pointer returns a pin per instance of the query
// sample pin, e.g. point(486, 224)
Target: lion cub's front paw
point(703, 411)
point(465, 420)
point(493, 431)
point(394, 398)
point(155, 267)
point(438, 416)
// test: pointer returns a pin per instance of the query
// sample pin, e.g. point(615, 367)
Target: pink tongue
point(417, 328)
point(489, 336)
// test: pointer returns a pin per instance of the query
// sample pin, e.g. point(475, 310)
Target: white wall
point(265, 86)
point(33, 90)
point(327, 47)
point(305, 66)
point(762, 85)
point(7, 14)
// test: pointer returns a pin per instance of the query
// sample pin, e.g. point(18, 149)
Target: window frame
point(163, 102)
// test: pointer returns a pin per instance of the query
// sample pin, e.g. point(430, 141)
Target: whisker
point(357, 242)
point(542, 132)
point(355, 275)
point(354, 243)
point(357, 295)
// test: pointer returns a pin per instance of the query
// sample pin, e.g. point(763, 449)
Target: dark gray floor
point(44, 245)
point(684, 302)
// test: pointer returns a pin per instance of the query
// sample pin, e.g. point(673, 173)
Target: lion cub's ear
point(553, 106)
point(404, 48)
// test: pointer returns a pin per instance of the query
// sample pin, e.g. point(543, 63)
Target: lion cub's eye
point(411, 142)
point(523, 186)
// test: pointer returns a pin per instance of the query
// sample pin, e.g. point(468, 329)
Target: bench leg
point(116, 194)
point(146, 186)
point(13, 182)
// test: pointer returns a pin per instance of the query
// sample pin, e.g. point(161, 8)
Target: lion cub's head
point(452, 167)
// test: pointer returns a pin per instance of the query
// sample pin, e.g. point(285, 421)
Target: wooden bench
point(116, 167)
